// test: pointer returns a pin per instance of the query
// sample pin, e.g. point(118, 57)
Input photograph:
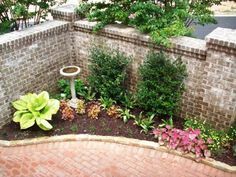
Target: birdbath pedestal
point(71, 72)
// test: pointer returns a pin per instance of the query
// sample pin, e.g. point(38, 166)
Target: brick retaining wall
point(30, 60)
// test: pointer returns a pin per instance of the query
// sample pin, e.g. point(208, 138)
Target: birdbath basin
point(71, 72)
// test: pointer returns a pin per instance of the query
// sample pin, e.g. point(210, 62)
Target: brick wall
point(211, 66)
point(30, 61)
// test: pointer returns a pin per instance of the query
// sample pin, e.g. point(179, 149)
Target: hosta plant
point(80, 107)
point(33, 108)
point(126, 115)
point(113, 112)
point(183, 140)
point(66, 111)
point(94, 110)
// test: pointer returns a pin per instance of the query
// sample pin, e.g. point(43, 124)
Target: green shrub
point(161, 84)
point(108, 73)
point(33, 108)
point(220, 138)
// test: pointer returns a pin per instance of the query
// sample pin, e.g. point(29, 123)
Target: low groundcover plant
point(33, 108)
point(183, 140)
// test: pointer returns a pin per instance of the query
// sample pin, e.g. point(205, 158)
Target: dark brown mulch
point(104, 125)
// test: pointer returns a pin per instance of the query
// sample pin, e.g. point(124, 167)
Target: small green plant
point(161, 84)
point(80, 107)
point(88, 95)
point(106, 103)
point(167, 122)
point(64, 86)
point(74, 128)
point(145, 123)
point(220, 138)
point(33, 108)
point(107, 73)
point(126, 115)
point(128, 101)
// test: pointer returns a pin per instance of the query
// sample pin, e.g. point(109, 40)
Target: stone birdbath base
point(71, 72)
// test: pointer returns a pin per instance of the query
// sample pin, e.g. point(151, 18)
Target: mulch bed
point(104, 125)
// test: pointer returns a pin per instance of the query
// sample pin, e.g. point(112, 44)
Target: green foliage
point(16, 14)
point(88, 95)
point(33, 108)
point(167, 122)
point(145, 123)
point(220, 138)
point(128, 101)
point(126, 115)
point(161, 84)
point(80, 88)
point(74, 128)
point(160, 19)
point(106, 103)
point(107, 73)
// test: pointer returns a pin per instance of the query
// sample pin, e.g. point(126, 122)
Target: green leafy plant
point(74, 128)
point(107, 73)
point(64, 86)
point(33, 108)
point(126, 115)
point(167, 122)
point(15, 15)
point(88, 95)
point(128, 101)
point(106, 103)
point(220, 139)
point(160, 19)
point(145, 123)
point(161, 84)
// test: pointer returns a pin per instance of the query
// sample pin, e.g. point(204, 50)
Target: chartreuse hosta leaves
point(33, 108)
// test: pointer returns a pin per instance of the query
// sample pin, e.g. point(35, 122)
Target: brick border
point(118, 140)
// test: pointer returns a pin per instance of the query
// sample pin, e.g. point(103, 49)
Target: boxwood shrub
point(161, 84)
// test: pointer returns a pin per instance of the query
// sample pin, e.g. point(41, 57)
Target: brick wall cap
point(9, 39)
point(68, 9)
point(222, 37)
point(186, 44)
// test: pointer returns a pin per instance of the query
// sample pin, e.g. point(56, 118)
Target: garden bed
point(104, 125)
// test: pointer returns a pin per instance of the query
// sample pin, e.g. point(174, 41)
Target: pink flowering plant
point(183, 140)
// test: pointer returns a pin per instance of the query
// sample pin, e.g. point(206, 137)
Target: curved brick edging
point(118, 140)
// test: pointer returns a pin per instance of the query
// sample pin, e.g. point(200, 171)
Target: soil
point(104, 125)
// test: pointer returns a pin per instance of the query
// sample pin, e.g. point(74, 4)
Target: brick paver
point(97, 159)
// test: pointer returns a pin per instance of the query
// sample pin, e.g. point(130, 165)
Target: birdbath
point(70, 72)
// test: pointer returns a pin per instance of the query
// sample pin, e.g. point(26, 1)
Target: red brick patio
point(97, 159)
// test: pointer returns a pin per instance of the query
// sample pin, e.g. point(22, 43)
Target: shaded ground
point(97, 159)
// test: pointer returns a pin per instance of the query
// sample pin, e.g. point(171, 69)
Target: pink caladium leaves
point(183, 140)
